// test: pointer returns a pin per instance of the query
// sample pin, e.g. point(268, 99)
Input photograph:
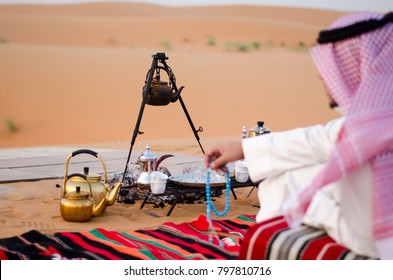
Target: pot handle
point(159, 67)
point(81, 176)
point(85, 151)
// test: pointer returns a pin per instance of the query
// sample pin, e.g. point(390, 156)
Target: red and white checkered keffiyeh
point(358, 72)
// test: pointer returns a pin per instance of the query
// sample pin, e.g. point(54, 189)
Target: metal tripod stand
point(159, 58)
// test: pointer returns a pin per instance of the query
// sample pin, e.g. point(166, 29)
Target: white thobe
point(289, 160)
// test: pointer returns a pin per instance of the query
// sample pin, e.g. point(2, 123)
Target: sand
point(72, 75)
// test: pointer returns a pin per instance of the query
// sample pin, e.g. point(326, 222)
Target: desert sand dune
point(74, 73)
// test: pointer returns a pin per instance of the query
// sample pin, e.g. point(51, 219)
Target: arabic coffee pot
point(148, 163)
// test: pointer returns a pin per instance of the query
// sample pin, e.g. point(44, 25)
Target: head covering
point(358, 72)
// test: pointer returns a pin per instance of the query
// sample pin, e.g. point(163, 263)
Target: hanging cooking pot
point(99, 184)
point(259, 129)
point(160, 93)
point(78, 205)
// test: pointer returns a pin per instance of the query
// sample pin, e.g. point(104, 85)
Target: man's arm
point(274, 153)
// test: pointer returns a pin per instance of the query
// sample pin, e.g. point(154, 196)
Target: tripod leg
point(177, 93)
point(191, 124)
point(142, 108)
point(251, 191)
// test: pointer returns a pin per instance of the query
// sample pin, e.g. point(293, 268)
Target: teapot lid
point(92, 177)
point(147, 155)
point(77, 194)
point(260, 128)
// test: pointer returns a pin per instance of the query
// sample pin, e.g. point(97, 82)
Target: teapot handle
point(85, 151)
point(81, 176)
point(160, 67)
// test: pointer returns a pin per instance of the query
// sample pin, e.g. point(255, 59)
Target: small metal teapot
point(99, 185)
point(160, 93)
point(258, 129)
point(78, 205)
point(148, 163)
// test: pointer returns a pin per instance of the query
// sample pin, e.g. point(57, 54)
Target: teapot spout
point(99, 209)
point(112, 195)
point(161, 159)
point(176, 95)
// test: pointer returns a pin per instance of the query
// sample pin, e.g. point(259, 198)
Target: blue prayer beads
point(210, 206)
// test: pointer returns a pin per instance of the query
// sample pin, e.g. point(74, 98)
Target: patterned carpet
point(184, 241)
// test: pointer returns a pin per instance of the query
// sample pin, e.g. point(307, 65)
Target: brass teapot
point(99, 184)
point(160, 93)
point(78, 205)
point(148, 163)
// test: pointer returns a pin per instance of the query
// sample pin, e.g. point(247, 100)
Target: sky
point(338, 5)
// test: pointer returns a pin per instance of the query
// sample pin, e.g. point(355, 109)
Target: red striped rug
point(184, 241)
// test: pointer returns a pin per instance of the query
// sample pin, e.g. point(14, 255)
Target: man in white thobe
point(288, 160)
point(338, 176)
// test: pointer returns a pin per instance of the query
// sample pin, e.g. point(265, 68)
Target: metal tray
point(179, 182)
